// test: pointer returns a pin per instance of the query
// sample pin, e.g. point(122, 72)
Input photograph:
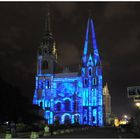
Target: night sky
point(117, 27)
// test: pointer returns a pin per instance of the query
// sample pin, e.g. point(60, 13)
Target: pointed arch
point(67, 105)
point(66, 118)
point(58, 106)
point(44, 64)
point(90, 71)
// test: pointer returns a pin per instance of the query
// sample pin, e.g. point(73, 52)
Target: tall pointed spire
point(90, 46)
point(47, 21)
point(48, 39)
point(106, 85)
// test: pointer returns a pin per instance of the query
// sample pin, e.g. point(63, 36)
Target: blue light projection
point(71, 99)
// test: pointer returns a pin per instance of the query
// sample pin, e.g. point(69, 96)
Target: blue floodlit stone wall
point(74, 99)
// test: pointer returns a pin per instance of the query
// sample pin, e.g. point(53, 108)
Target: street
point(106, 132)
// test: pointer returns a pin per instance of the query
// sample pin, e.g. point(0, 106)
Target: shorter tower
point(46, 64)
point(47, 56)
point(107, 104)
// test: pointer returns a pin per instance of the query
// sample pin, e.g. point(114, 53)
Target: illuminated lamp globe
point(137, 104)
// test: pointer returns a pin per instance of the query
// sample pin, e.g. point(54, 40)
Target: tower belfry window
point(45, 50)
point(86, 82)
point(94, 81)
point(44, 64)
point(90, 72)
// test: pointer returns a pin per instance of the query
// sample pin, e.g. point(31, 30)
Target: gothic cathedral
point(69, 97)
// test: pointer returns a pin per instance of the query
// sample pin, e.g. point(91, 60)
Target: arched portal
point(57, 120)
point(77, 118)
point(66, 118)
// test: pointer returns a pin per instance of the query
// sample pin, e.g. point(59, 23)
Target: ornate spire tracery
point(90, 46)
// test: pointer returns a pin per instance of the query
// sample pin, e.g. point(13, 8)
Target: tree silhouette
point(14, 106)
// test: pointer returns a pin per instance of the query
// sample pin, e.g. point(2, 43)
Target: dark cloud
point(68, 55)
point(119, 9)
point(66, 9)
point(130, 45)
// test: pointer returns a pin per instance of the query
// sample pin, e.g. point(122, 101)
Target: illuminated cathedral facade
point(69, 97)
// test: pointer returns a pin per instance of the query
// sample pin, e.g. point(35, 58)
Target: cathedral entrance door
point(67, 120)
point(76, 119)
point(57, 120)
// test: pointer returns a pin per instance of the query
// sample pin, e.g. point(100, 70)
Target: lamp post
point(137, 104)
point(125, 116)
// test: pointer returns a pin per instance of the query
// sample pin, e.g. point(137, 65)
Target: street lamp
point(137, 104)
point(125, 116)
point(125, 119)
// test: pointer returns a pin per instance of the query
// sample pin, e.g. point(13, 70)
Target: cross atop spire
point(47, 36)
point(48, 22)
point(89, 13)
point(48, 42)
